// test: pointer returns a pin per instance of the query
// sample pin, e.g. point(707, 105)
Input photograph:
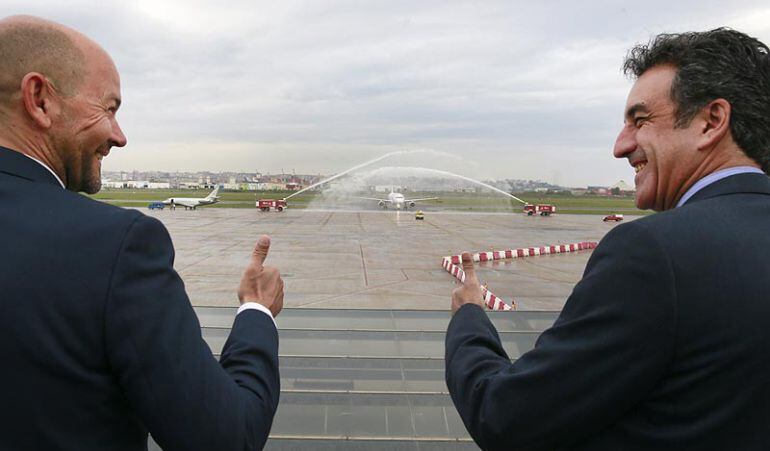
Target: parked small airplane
point(190, 203)
point(398, 201)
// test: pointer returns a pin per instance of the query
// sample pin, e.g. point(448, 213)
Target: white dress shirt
point(257, 306)
point(46, 167)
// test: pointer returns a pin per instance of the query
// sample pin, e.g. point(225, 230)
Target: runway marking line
point(363, 264)
point(326, 220)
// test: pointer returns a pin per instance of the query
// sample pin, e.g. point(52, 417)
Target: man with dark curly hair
point(662, 344)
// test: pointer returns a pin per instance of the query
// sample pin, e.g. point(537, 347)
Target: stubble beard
point(91, 179)
point(83, 175)
point(92, 186)
point(83, 171)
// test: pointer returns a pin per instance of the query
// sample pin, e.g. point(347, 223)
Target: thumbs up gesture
point(260, 283)
point(470, 290)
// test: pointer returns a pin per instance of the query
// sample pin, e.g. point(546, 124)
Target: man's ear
point(39, 99)
point(714, 123)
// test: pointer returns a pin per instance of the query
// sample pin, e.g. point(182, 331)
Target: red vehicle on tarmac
point(613, 217)
point(276, 204)
point(540, 209)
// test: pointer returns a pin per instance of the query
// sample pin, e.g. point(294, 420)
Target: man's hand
point(262, 284)
point(470, 291)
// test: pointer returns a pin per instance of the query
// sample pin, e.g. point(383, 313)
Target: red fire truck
point(267, 204)
point(540, 209)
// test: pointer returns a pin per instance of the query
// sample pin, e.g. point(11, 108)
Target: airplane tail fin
point(213, 194)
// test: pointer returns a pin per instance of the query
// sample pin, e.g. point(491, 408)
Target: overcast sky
point(508, 89)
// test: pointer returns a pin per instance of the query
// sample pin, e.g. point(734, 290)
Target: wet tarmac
point(376, 259)
point(366, 310)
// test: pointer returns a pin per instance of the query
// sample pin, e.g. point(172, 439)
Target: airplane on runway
point(190, 203)
point(397, 200)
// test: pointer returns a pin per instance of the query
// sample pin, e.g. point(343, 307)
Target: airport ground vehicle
point(156, 206)
point(540, 209)
point(613, 217)
point(267, 204)
point(419, 216)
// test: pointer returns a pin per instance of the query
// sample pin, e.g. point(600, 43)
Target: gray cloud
point(524, 89)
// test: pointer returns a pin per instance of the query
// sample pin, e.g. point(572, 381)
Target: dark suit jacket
point(98, 340)
point(663, 345)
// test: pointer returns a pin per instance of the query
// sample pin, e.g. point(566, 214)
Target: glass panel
point(370, 344)
point(215, 316)
point(422, 320)
point(317, 373)
point(367, 415)
point(522, 321)
point(386, 320)
point(280, 444)
point(503, 321)
point(336, 319)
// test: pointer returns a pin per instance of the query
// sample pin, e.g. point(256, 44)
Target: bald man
point(98, 341)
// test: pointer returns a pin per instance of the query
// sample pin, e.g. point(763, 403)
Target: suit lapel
point(739, 183)
point(19, 165)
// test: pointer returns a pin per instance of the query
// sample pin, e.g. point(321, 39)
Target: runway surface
point(367, 307)
point(376, 259)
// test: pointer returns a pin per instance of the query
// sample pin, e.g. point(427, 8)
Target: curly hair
point(720, 63)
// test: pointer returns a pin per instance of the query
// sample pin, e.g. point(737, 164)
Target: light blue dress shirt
point(715, 177)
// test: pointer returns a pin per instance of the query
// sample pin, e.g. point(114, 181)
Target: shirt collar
point(715, 177)
point(44, 165)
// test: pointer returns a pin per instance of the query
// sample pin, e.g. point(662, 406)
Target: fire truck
point(540, 209)
point(276, 204)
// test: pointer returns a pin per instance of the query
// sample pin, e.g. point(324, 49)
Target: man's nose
point(118, 138)
point(625, 143)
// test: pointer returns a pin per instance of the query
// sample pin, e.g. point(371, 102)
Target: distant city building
point(387, 188)
point(273, 186)
point(135, 184)
point(601, 190)
point(623, 187)
point(258, 181)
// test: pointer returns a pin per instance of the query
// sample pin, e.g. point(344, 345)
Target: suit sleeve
point(187, 399)
point(605, 352)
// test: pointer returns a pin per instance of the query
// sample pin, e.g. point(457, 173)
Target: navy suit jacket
point(98, 341)
point(662, 345)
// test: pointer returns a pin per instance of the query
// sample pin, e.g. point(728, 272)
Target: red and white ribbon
point(451, 264)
